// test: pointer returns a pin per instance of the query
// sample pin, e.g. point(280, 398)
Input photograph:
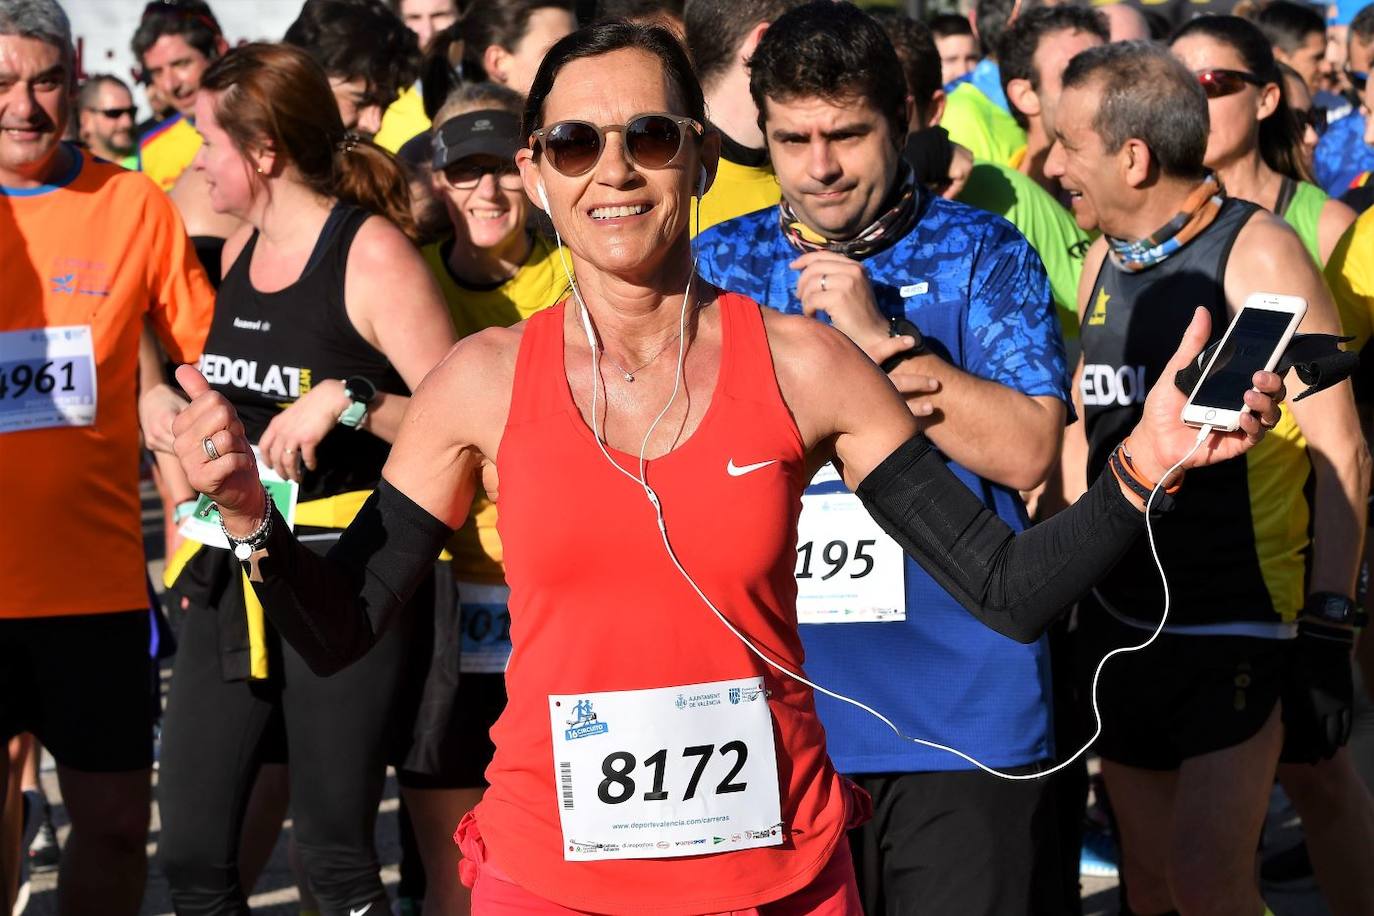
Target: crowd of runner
point(702, 448)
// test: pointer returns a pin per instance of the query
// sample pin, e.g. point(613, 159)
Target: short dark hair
point(992, 19)
point(1280, 135)
point(1286, 24)
point(946, 25)
point(358, 39)
point(191, 19)
point(495, 22)
point(1016, 53)
point(717, 28)
point(605, 38)
point(833, 50)
point(1146, 93)
point(915, 47)
point(1363, 24)
point(85, 96)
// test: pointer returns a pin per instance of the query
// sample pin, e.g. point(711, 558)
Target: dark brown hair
point(276, 95)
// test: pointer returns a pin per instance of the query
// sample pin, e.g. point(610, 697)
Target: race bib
point(47, 378)
point(485, 621)
point(202, 525)
point(664, 772)
point(848, 569)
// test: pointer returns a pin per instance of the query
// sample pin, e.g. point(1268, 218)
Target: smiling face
point(175, 68)
point(621, 218)
point(489, 213)
point(835, 160)
point(35, 102)
point(228, 175)
point(1089, 174)
point(1235, 119)
point(359, 108)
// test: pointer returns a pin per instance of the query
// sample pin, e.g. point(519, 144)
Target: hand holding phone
point(1254, 342)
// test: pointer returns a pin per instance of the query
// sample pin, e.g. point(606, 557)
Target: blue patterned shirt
point(1342, 155)
point(980, 296)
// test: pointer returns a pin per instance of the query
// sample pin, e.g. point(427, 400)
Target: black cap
point(489, 132)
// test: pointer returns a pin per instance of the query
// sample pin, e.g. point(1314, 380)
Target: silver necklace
point(629, 374)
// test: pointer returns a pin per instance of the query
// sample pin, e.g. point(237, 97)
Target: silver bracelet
point(245, 547)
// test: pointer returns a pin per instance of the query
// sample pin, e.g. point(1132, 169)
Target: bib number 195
point(619, 785)
point(836, 556)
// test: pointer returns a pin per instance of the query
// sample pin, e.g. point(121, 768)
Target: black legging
point(340, 732)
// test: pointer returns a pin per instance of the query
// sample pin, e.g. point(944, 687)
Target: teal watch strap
point(353, 415)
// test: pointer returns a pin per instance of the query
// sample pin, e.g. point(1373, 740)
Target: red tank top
point(597, 606)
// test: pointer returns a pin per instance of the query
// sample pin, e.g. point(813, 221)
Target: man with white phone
point(1192, 728)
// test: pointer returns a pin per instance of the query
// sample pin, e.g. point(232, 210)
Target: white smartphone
point(1254, 342)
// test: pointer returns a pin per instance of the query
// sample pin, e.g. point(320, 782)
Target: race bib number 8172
point(673, 771)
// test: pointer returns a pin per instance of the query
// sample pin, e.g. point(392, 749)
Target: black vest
point(265, 350)
point(1133, 326)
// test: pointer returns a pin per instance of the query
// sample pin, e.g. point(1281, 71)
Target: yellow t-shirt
point(540, 283)
point(403, 120)
point(1350, 275)
point(737, 190)
point(167, 150)
point(978, 123)
point(83, 261)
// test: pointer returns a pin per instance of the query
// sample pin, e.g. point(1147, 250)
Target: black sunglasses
point(1218, 84)
point(193, 11)
point(1357, 78)
point(113, 113)
point(652, 141)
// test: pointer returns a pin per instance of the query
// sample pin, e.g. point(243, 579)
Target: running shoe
point(44, 853)
point(1099, 857)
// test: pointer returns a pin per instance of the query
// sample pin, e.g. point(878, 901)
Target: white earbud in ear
point(701, 183)
point(543, 195)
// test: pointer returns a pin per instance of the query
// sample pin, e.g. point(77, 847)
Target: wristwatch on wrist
point(361, 393)
point(1329, 607)
point(897, 326)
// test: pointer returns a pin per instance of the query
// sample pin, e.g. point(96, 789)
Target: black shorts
point(1182, 697)
point(83, 686)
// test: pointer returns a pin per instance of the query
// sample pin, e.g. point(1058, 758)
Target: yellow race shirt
point(540, 283)
point(1350, 275)
point(737, 190)
point(167, 150)
point(978, 123)
point(403, 121)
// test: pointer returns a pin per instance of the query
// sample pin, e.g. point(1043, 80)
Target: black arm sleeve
point(1017, 584)
point(333, 608)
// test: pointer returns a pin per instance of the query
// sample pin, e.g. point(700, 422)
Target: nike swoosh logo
point(353, 912)
point(735, 470)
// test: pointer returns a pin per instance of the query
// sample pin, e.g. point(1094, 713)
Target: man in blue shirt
point(857, 243)
point(1344, 153)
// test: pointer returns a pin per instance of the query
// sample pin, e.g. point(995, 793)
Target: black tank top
point(1208, 544)
point(265, 350)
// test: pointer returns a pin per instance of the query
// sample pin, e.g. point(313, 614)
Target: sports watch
point(361, 392)
point(1329, 607)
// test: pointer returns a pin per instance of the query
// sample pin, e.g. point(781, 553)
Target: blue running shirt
point(980, 296)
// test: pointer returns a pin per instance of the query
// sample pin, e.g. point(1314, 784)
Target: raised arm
point(333, 608)
point(1015, 584)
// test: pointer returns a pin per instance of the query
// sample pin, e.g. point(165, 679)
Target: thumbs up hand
point(209, 441)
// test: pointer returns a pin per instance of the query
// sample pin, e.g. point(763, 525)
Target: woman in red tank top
point(652, 437)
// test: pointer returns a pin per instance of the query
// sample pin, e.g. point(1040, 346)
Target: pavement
point(276, 894)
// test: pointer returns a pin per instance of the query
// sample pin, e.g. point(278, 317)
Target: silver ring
point(823, 278)
point(290, 451)
point(210, 451)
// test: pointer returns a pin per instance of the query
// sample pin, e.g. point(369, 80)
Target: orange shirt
point(91, 255)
